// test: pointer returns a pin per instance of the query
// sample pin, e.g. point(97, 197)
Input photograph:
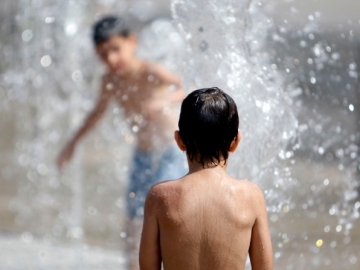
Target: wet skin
point(146, 92)
point(205, 220)
point(147, 101)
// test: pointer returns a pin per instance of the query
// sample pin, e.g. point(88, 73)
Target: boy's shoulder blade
point(254, 191)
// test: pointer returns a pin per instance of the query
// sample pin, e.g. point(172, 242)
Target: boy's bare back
point(206, 220)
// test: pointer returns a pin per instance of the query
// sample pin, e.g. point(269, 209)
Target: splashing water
point(219, 55)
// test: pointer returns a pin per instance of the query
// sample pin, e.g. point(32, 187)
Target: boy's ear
point(179, 141)
point(234, 144)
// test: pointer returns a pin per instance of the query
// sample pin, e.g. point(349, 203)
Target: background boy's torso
point(139, 96)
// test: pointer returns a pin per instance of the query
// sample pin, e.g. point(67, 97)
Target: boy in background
point(206, 219)
point(148, 94)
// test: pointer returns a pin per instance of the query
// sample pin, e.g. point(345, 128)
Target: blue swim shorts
point(149, 168)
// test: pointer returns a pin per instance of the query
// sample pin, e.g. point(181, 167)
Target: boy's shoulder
point(160, 73)
point(148, 71)
point(251, 188)
point(159, 193)
point(246, 183)
point(163, 189)
point(254, 193)
point(151, 67)
point(154, 69)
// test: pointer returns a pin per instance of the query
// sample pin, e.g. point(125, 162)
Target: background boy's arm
point(171, 97)
point(260, 251)
point(89, 123)
point(150, 253)
point(170, 78)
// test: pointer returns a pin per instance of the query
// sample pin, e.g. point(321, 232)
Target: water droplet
point(230, 83)
point(274, 218)
point(45, 60)
point(92, 211)
point(332, 211)
point(357, 205)
point(42, 254)
point(335, 56)
point(319, 243)
point(27, 237)
point(77, 76)
point(353, 259)
point(303, 43)
point(71, 29)
point(75, 233)
point(352, 66)
point(49, 19)
point(27, 35)
point(42, 169)
point(204, 45)
point(135, 129)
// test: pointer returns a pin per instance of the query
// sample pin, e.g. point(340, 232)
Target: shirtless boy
point(147, 93)
point(206, 220)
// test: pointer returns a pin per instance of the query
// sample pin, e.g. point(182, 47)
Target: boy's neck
point(195, 166)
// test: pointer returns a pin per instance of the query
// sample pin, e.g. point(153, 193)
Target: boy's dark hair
point(108, 27)
point(208, 124)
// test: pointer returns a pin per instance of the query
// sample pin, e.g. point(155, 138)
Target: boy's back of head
point(208, 125)
point(107, 27)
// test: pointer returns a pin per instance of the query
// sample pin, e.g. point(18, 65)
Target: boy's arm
point(89, 123)
point(260, 251)
point(170, 78)
point(150, 252)
point(172, 97)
